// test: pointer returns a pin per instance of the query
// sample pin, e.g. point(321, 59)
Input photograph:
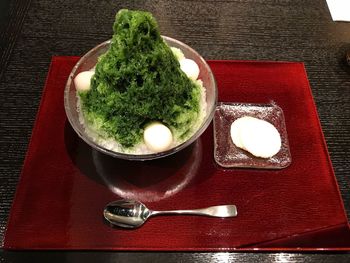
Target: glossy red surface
point(65, 184)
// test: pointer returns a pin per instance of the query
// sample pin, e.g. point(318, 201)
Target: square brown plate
point(227, 154)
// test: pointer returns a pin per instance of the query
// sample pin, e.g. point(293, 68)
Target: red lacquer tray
point(65, 184)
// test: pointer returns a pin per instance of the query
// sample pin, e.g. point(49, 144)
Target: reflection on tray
point(146, 181)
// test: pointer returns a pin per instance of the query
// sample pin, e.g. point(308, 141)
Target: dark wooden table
point(291, 30)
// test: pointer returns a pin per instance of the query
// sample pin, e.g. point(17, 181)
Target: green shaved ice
point(139, 80)
point(178, 53)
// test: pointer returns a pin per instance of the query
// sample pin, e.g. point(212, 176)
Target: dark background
point(290, 30)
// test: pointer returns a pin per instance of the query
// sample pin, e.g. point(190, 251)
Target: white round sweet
point(157, 137)
point(257, 136)
point(190, 68)
point(83, 79)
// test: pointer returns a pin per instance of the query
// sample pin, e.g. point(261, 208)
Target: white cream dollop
point(235, 132)
point(190, 68)
point(83, 79)
point(256, 136)
point(157, 137)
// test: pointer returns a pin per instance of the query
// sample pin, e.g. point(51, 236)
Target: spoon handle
point(215, 211)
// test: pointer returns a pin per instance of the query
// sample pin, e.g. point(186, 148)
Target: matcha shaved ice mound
point(139, 80)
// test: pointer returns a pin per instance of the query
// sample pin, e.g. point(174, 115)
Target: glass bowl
point(89, 60)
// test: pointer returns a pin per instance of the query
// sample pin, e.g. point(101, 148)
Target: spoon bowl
point(132, 213)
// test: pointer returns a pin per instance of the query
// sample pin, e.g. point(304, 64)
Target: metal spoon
point(131, 213)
